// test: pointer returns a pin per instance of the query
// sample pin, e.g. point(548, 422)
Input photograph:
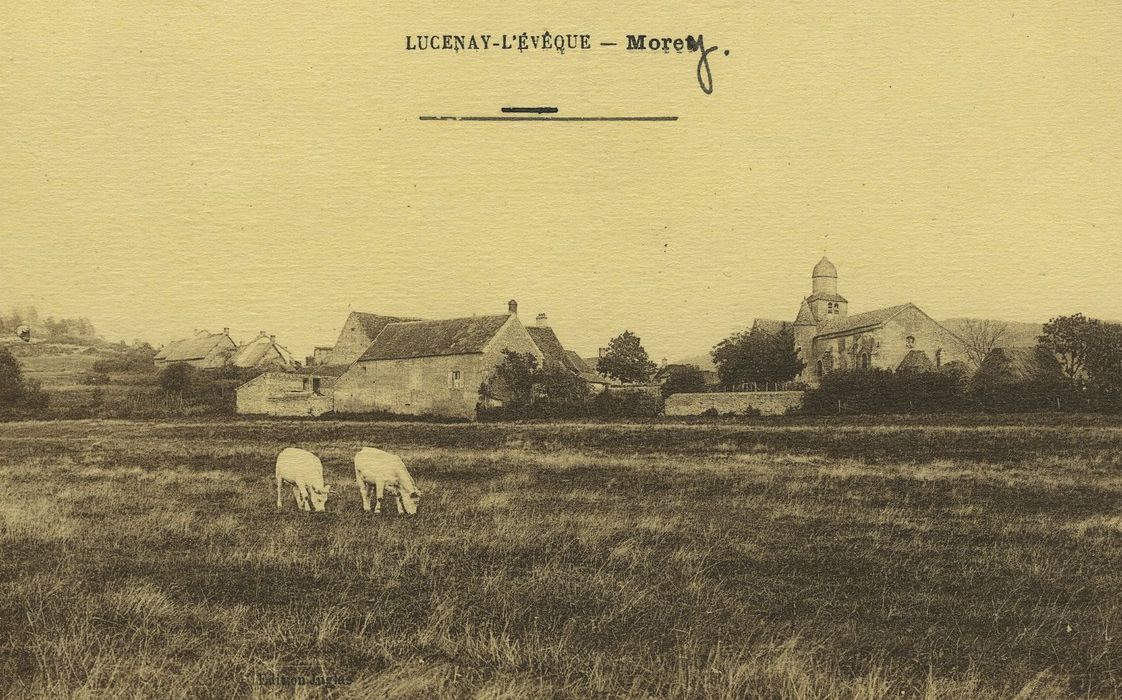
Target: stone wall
point(768, 403)
point(282, 394)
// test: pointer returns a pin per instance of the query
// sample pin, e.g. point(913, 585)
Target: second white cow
point(303, 471)
point(385, 471)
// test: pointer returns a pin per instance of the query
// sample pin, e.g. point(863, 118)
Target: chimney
point(664, 363)
point(225, 331)
point(262, 334)
point(542, 320)
point(272, 339)
point(512, 307)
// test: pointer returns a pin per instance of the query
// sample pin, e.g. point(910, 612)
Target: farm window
point(910, 341)
point(456, 379)
point(315, 385)
point(305, 384)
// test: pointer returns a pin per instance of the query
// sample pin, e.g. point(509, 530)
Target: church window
point(910, 341)
point(939, 358)
point(818, 368)
point(864, 360)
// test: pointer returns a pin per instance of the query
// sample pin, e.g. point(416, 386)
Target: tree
point(683, 379)
point(18, 396)
point(178, 378)
point(1071, 339)
point(980, 337)
point(528, 389)
point(1103, 359)
point(757, 356)
point(626, 360)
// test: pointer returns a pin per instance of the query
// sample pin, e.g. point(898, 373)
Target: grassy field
point(780, 559)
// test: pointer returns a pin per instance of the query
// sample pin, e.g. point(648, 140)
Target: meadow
point(931, 558)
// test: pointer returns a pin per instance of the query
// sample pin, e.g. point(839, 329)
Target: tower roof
point(805, 317)
point(824, 268)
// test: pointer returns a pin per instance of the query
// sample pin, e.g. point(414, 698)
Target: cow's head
point(409, 502)
point(319, 497)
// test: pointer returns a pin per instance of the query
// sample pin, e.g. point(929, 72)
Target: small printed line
point(608, 43)
point(434, 118)
point(529, 110)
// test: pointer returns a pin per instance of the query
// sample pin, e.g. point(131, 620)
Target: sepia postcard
point(560, 350)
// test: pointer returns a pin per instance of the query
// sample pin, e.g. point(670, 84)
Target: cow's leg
point(364, 491)
point(298, 492)
point(279, 482)
point(400, 502)
point(379, 490)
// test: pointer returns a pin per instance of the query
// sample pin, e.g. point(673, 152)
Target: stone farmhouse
point(407, 366)
point(207, 350)
point(827, 338)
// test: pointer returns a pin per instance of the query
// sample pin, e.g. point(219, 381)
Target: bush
point(624, 403)
point(93, 378)
point(19, 397)
point(882, 391)
point(136, 360)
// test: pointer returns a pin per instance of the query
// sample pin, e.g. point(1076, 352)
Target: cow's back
point(296, 464)
point(373, 459)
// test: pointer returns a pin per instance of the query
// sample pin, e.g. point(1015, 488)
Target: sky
point(261, 166)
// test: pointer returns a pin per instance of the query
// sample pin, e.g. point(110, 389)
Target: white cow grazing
point(304, 472)
point(385, 471)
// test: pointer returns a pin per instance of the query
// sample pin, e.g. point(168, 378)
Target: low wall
point(768, 403)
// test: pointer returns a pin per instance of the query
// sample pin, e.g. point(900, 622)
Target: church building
point(902, 337)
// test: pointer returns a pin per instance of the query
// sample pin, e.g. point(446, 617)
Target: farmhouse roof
point(455, 336)
point(864, 321)
point(372, 324)
point(253, 352)
point(194, 348)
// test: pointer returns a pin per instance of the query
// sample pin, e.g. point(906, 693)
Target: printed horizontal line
point(530, 110)
point(513, 118)
point(608, 43)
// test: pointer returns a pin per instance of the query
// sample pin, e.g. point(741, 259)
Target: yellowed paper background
point(169, 166)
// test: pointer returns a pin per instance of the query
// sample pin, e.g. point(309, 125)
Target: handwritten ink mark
point(705, 80)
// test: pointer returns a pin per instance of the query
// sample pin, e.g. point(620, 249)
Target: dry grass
point(146, 559)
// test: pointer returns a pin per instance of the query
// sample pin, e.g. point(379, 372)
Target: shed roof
point(455, 336)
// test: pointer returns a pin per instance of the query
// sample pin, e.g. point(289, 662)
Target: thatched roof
point(456, 336)
point(195, 348)
point(1013, 365)
point(260, 350)
point(916, 361)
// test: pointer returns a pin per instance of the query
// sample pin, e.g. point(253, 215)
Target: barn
point(431, 367)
